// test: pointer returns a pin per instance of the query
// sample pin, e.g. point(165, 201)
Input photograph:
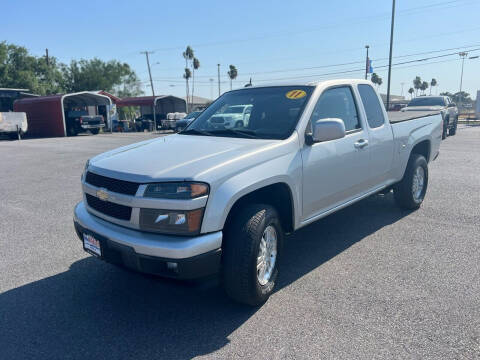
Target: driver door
point(336, 171)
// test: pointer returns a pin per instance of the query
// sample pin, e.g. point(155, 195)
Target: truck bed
point(399, 116)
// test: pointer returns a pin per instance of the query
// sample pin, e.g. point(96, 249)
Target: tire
point(94, 131)
point(453, 129)
point(445, 128)
point(239, 124)
point(241, 249)
point(404, 193)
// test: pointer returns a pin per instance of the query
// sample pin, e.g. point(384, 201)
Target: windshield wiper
point(241, 133)
point(195, 132)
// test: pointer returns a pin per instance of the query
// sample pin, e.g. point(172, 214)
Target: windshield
point(262, 113)
point(427, 101)
point(192, 115)
point(234, 110)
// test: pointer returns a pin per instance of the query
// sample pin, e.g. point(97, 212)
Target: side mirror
point(326, 130)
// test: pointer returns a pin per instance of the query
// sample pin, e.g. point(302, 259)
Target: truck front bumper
point(171, 256)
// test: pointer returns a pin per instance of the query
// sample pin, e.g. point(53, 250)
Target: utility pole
point(463, 55)
point(390, 56)
point(211, 88)
point(366, 63)
point(218, 65)
point(149, 71)
point(46, 58)
point(402, 83)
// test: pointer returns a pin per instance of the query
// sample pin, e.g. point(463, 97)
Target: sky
point(268, 41)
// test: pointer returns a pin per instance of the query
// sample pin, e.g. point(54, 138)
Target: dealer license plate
point(92, 245)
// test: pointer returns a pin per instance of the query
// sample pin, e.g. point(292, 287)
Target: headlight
point(176, 190)
point(178, 222)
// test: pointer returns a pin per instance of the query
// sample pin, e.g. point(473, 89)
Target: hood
point(423, 108)
point(182, 157)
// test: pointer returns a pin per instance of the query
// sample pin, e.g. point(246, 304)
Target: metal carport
point(163, 104)
point(46, 114)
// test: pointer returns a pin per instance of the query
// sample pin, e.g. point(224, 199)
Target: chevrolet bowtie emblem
point(102, 194)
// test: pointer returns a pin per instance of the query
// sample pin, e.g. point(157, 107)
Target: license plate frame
point(92, 245)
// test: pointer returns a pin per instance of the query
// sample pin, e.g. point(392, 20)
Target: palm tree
point(195, 66)
point(377, 80)
point(411, 91)
point(432, 84)
point(417, 83)
point(187, 55)
point(232, 74)
point(424, 87)
point(187, 75)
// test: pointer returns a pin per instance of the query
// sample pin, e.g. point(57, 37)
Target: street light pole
point(463, 55)
point(390, 56)
point(211, 89)
point(149, 71)
point(366, 63)
point(218, 65)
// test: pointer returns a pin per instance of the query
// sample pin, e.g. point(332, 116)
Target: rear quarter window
point(373, 108)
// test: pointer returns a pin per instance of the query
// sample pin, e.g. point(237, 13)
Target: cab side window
point(372, 106)
point(337, 103)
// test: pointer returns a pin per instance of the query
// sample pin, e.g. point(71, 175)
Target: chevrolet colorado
point(224, 197)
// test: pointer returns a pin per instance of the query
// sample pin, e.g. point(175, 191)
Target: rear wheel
point(239, 124)
point(94, 131)
point(410, 191)
point(453, 129)
point(445, 128)
point(252, 246)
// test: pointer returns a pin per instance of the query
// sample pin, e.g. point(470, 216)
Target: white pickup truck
point(223, 199)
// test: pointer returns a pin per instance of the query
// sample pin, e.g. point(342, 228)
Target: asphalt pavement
point(370, 281)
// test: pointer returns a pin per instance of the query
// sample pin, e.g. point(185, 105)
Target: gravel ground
point(370, 281)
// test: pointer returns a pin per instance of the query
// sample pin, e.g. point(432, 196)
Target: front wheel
point(410, 191)
point(252, 246)
point(445, 128)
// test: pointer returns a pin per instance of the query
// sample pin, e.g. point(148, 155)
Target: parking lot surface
point(370, 281)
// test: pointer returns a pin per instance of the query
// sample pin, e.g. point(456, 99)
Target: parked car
point(182, 123)
point(170, 122)
point(222, 200)
point(443, 104)
point(234, 116)
point(80, 121)
point(13, 124)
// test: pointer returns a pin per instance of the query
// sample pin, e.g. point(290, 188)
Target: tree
point(195, 66)
point(411, 91)
point(461, 97)
point(130, 87)
point(187, 75)
point(188, 55)
point(417, 83)
point(377, 80)
point(432, 84)
point(424, 86)
point(96, 74)
point(232, 74)
point(19, 69)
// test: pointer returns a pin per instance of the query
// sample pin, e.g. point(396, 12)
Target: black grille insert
point(117, 211)
point(118, 186)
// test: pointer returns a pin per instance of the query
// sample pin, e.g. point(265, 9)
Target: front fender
point(284, 169)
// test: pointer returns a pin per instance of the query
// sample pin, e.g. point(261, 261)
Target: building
point(396, 101)
point(199, 103)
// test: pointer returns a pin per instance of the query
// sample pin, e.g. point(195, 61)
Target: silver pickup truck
point(223, 200)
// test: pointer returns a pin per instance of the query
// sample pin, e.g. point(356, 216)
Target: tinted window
point(273, 113)
point(337, 103)
point(427, 101)
point(372, 106)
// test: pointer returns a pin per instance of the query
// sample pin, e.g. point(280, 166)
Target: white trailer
point(13, 124)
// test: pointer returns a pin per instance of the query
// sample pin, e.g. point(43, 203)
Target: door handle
point(360, 144)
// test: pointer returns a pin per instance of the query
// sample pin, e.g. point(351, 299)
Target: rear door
point(381, 136)
point(338, 170)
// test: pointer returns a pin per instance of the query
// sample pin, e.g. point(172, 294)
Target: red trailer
point(46, 115)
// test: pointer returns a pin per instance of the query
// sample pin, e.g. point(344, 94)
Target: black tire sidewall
point(420, 162)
